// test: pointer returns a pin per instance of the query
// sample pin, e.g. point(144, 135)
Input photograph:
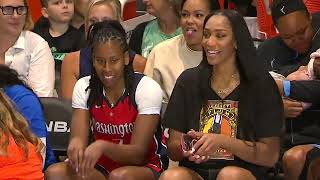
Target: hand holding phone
point(187, 142)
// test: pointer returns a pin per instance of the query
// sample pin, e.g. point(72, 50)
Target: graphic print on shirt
point(220, 117)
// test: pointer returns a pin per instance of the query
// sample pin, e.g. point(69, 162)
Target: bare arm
point(69, 74)
point(264, 153)
point(134, 153)
point(139, 63)
point(80, 125)
point(79, 136)
point(174, 147)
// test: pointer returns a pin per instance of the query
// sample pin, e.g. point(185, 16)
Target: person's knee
point(119, 174)
point(232, 172)
point(56, 171)
point(175, 173)
point(293, 156)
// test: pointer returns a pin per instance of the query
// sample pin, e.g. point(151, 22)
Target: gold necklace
point(226, 91)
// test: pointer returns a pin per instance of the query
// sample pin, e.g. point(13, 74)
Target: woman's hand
point(193, 155)
point(90, 157)
point(207, 144)
point(75, 153)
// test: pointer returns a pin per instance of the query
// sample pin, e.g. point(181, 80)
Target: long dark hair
point(253, 75)
point(10, 77)
point(100, 33)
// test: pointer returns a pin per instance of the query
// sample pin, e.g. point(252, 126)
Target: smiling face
point(109, 61)
point(12, 24)
point(296, 31)
point(60, 11)
point(192, 17)
point(218, 40)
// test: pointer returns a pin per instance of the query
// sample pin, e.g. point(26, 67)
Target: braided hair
point(100, 33)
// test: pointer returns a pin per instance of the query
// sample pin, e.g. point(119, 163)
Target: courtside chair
point(58, 115)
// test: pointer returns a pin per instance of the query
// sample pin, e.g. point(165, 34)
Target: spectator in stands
point(28, 104)
point(20, 150)
point(303, 155)
point(60, 35)
point(231, 141)
point(308, 91)
point(170, 58)
point(78, 64)
point(24, 51)
point(299, 36)
point(77, 21)
point(124, 107)
point(166, 25)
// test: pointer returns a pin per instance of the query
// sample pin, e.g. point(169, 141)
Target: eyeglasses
point(9, 10)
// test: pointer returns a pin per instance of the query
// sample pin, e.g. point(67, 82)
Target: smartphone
point(187, 142)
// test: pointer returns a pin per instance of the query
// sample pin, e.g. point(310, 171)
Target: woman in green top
point(166, 25)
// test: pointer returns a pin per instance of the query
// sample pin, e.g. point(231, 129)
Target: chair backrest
point(265, 23)
point(58, 115)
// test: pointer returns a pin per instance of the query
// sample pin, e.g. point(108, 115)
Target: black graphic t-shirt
point(186, 111)
point(70, 41)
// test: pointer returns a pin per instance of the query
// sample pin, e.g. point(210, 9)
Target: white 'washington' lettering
point(121, 129)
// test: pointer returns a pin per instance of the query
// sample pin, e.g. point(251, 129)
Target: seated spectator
point(171, 57)
point(28, 104)
point(60, 35)
point(125, 109)
point(24, 51)
point(166, 25)
point(299, 36)
point(78, 64)
point(77, 21)
point(228, 141)
point(308, 91)
point(20, 150)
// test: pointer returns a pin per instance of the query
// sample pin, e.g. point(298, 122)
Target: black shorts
point(103, 171)
point(313, 154)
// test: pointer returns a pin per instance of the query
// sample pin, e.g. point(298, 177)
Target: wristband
point(286, 88)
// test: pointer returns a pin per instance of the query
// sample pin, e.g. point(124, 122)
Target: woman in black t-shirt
point(229, 104)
